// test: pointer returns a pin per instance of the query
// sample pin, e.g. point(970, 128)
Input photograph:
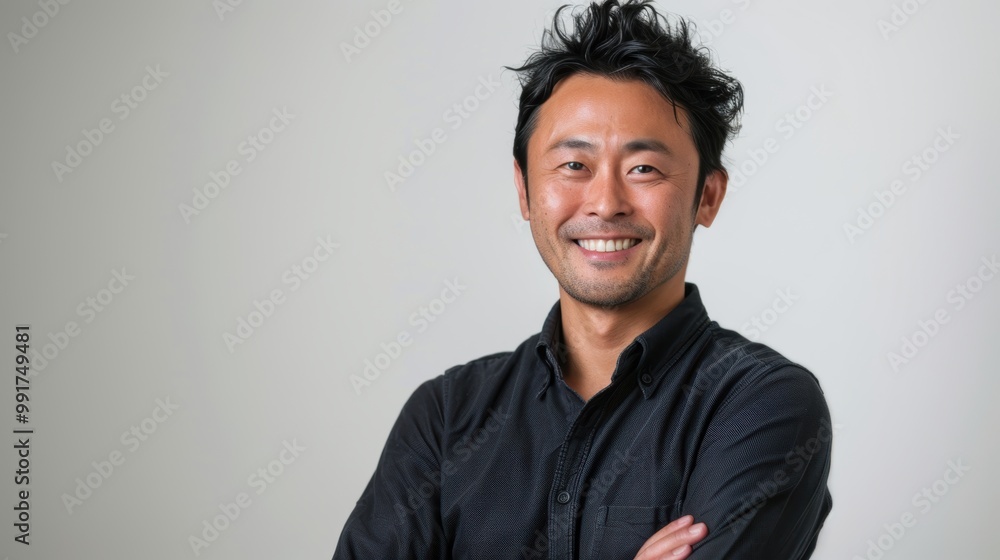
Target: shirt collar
point(653, 352)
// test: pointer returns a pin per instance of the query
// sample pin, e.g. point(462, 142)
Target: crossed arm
point(758, 491)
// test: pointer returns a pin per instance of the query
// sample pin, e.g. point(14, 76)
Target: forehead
point(610, 113)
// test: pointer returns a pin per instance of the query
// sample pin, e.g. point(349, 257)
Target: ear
point(711, 197)
point(522, 190)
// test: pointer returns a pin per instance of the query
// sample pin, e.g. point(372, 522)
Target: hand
point(673, 541)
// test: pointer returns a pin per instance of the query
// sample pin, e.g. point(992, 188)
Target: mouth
point(608, 245)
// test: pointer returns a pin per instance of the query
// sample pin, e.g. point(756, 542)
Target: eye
point(574, 166)
point(644, 169)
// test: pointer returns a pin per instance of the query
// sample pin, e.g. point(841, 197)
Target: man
point(631, 426)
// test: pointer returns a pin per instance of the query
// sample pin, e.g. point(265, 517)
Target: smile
point(607, 245)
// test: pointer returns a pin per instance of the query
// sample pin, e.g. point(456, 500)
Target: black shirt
point(500, 458)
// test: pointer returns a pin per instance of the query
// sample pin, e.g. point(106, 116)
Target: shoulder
point(470, 389)
point(488, 371)
point(731, 367)
point(475, 370)
point(749, 392)
point(463, 384)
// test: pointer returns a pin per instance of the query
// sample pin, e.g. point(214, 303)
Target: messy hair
point(630, 40)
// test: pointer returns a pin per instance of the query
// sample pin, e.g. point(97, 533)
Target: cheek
point(554, 205)
point(671, 218)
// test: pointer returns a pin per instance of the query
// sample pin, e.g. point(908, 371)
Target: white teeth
point(606, 245)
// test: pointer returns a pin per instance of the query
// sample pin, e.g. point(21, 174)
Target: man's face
point(612, 177)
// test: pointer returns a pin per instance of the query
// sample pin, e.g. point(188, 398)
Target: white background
point(455, 216)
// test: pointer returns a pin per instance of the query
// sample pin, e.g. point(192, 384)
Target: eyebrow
point(631, 147)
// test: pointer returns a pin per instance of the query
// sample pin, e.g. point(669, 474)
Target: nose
point(607, 196)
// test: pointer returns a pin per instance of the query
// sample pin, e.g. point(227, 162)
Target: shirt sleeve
point(760, 484)
point(398, 515)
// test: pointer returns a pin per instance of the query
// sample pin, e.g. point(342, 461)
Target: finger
point(679, 553)
point(667, 530)
point(676, 544)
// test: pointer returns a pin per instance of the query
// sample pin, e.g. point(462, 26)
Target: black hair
point(630, 40)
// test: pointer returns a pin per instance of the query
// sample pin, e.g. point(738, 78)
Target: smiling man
point(632, 425)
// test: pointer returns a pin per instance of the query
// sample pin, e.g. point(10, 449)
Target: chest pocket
point(621, 530)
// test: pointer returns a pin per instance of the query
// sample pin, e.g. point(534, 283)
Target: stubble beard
point(609, 295)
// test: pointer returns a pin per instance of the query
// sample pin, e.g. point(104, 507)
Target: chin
point(608, 298)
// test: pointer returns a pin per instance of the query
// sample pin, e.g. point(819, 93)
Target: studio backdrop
point(220, 218)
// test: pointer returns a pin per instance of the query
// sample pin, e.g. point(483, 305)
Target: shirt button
point(563, 497)
point(647, 379)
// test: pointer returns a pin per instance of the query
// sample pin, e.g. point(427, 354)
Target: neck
point(594, 337)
